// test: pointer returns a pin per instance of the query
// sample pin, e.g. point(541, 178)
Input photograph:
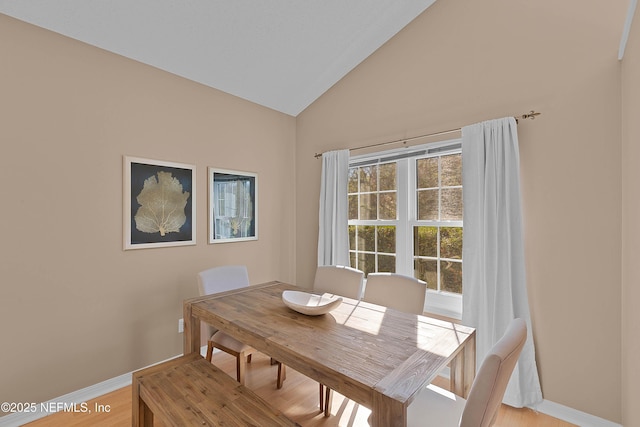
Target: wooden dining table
point(378, 357)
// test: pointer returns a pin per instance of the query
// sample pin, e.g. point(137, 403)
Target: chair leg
point(209, 350)
point(282, 375)
point(328, 399)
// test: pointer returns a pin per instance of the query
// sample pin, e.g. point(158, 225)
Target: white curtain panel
point(333, 236)
point(495, 290)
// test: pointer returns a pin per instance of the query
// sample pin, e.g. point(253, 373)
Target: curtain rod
point(530, 115)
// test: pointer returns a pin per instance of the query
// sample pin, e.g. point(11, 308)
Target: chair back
point(339, 280)
point(396, 291)
point(221, 279)
point(487, 391)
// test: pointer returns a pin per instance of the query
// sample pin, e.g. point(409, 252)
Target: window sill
point(444, 304)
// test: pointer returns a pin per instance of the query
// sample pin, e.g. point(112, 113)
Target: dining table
point(376, 356)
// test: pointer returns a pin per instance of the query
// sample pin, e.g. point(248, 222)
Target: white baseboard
point(547, 407)
point(71, 400)
point(573, 416)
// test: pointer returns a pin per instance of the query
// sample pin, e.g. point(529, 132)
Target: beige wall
point(462, 62)
point(631, 226)
point(75, 308)
point(69, 112)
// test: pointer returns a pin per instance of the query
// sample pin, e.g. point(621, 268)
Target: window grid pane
point(373, 192)
point(373, 200)
point(368, 206)
point(451, 276)
point(373, 248)
point(437, 245)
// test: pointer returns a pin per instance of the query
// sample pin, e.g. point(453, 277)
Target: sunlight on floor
point(350, 413)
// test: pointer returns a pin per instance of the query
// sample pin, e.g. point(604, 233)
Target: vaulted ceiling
point(282, 54)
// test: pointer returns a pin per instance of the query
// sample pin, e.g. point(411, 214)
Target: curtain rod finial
point(531, 115)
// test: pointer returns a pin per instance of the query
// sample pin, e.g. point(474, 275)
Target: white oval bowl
point(310, 304)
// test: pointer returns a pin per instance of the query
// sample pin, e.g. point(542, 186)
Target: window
point(373, 196)
point(437, 231)
point(405, 216)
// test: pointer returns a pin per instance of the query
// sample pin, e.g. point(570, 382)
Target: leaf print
point(162, 204)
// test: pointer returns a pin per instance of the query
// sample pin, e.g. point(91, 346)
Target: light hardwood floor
point(298, 399)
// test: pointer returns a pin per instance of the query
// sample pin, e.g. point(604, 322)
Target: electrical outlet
point(180, 326)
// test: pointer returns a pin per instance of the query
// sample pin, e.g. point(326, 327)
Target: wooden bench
point(189, 391)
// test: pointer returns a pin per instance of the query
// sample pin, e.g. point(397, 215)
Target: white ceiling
point(282, 54)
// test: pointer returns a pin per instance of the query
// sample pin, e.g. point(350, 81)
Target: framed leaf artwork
point(159, 203)
point(233, 206)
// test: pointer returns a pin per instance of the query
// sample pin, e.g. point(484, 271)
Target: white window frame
point(381, 222)
point(437, 302)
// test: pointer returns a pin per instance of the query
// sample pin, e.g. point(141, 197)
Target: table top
point(356, 349)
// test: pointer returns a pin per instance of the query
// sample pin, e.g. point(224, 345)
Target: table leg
point(469, 364)
point(146, 416)
point(463, 368)
point(387, 412)
point(191, 330)
point(136, 405)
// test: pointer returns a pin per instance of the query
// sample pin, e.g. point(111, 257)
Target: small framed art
point(159, 203)
point(233, 206)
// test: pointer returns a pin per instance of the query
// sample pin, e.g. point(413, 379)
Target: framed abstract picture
point(233, 206)
point(159, 203)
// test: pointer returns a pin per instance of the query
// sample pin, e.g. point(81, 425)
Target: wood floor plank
point(298, 399)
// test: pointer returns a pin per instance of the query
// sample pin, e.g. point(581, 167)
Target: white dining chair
point(336, 280)
point(403, 293)
point(339, 280)
point(438, 407)
point(221, 279)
